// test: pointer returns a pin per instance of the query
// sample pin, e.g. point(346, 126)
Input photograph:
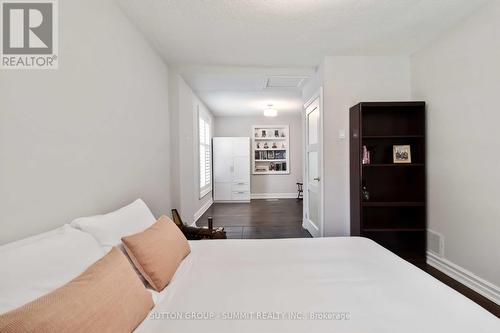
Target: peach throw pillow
point(157, 251)
point(107, 297)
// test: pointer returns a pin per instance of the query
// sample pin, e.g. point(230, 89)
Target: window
point(205, 156)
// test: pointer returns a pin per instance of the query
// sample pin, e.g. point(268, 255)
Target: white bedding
point(353, 280)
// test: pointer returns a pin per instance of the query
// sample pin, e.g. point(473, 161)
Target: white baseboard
point(273, 195)
point(465, 277)
point(202, 211)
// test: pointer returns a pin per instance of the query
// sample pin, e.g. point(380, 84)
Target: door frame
point(306, 224)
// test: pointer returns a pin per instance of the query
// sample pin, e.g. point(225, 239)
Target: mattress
point(329, 285)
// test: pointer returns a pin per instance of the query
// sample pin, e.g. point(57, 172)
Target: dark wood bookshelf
point(393, 165)
point(395, 213)
point(391, 204)
point(391, 136)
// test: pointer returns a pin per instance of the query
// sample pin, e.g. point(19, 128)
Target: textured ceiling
point(226, 49)
point(290, 32)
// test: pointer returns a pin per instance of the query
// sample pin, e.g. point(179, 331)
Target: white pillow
point(37, 265)
point(109, 228)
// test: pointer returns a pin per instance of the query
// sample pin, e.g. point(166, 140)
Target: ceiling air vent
point(285, 81)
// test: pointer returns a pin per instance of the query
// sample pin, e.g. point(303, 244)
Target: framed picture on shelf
point(401, 153)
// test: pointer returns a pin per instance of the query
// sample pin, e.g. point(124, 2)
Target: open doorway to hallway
point(249, 176)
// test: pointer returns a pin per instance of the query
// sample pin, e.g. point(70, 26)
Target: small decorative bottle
point(364, 192)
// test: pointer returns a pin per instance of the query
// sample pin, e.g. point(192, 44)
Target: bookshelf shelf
point(270, 139)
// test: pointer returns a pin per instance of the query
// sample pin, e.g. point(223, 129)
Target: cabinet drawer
point(241, 195)
point(240, 186)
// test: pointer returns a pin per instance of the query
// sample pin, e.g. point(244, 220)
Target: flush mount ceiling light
point(270, 112)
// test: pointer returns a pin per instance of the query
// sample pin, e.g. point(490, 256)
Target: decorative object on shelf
point(263, 134)
point(283, 145)
point(256, 134)
point(276, 133)
point(280, 154)
point(262, 168)
point(272, 166)
point(258, 145)
point(364, 192)
point(266, 145)
point(274, 145)
point(401, 153)
point(282, 134)
point(366, 155)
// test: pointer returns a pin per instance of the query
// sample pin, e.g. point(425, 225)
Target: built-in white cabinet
point(231, 159)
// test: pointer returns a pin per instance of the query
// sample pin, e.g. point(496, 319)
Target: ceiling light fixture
point(270, 112)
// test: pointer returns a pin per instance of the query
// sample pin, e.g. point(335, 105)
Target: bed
point(345, 284)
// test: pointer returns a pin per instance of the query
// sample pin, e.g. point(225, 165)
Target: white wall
point(89, 137)
point(348, 81)
point(459, 77)
point(185, 162)
point(267, 184)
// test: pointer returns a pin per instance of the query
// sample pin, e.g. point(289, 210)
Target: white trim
point(309, 226)
point(202, 211)
point(203, 115)
point(465, 277)
point(205, 191)
point(273, 195)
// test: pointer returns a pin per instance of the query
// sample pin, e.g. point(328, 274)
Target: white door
point(241, 168)
point(241, 147)
point(313, 192)
point(223, 162)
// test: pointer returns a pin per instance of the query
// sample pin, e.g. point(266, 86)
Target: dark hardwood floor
point(260, 219)
point(283, 219)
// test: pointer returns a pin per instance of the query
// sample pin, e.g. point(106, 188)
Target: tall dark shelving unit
point(395, 214)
